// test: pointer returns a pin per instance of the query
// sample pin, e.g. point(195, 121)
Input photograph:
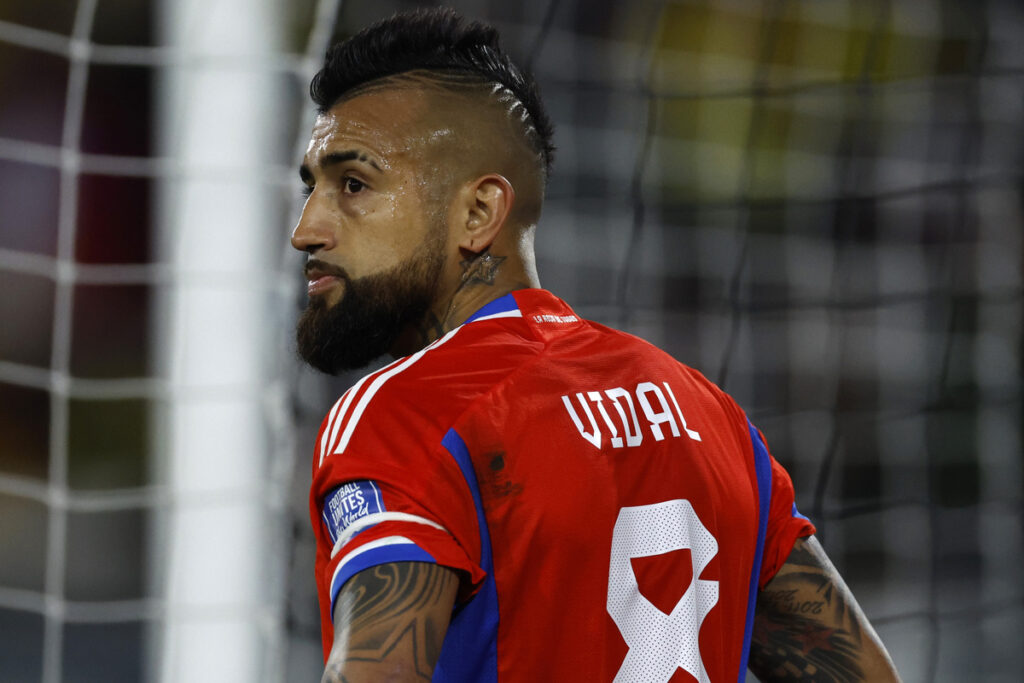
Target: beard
point(372, 313)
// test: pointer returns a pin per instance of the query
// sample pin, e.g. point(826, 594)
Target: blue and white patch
point(349, 503)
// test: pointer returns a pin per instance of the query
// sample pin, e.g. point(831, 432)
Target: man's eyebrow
point(334, 158)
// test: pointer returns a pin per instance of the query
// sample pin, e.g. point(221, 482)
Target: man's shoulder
point(603, 342)
point(425, 392)
point(598, 349)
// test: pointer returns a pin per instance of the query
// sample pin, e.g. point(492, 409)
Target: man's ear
point(484, 206)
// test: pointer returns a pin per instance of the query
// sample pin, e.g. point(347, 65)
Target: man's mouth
point(322, 277)
point(321, 284)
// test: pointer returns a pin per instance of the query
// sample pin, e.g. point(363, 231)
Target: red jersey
point(612, 512)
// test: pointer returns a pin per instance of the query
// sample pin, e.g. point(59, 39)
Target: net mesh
point(817, 204)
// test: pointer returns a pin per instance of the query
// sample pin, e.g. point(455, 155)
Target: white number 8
point(659, 642)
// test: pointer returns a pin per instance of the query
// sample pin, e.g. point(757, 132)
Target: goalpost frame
point(218, 111)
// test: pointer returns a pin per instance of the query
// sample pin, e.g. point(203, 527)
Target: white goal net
point(817, 204)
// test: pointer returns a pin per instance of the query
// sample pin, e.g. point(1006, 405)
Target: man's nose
point(315, 231)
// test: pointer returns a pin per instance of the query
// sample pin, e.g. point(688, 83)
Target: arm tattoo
point(807, 626)
point(391, 610)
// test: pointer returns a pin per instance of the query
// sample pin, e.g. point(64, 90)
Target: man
point(522, 495)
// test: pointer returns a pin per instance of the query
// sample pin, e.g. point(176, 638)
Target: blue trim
point(763, 468)
point(400, 552)
point(499, 305)
point(796, 513)
point(470, 649)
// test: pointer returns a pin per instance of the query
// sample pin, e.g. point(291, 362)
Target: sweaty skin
point(391, 163)
point(385, 167)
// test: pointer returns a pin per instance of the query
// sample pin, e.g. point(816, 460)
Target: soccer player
point(523, 495)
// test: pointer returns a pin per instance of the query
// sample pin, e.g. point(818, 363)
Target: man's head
point(430, 148)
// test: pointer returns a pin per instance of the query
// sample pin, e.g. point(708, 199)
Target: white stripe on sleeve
point(349, 395)
point(325, 438)
point(374, 387)
point(377, 518)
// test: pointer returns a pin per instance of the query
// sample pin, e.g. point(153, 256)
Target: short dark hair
point(435, 40)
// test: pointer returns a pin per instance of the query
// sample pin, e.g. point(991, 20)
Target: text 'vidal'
point(653, 404)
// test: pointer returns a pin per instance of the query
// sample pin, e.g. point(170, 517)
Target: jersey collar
point(502, 307)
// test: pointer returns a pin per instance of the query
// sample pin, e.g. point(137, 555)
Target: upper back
point(611, 476)
point(598, 495)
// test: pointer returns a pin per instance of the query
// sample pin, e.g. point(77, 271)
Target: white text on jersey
point(653, 404)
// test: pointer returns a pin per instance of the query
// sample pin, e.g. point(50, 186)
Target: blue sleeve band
point(400, 552)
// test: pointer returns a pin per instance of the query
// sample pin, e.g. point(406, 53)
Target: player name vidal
point(621, 420)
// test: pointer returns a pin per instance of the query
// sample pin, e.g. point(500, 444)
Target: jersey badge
point(349, 503)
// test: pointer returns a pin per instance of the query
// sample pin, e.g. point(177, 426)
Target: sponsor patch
point(349, 503)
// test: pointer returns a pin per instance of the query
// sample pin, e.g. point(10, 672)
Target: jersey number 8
point(658, 642)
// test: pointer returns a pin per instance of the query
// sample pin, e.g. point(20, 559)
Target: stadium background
point(816, 203)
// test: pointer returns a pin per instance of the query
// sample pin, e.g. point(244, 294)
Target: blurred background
point(816, 203)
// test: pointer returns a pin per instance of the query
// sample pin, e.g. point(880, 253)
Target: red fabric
point(783, 527)
point(551, 497)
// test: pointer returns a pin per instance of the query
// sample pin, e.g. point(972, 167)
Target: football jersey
point(610, 512)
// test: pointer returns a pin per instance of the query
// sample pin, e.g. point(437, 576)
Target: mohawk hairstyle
point(435, 40)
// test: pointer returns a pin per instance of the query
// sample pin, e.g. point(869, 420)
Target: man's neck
point(485, 277)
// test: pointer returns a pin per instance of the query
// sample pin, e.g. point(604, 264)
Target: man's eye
point(352, 186)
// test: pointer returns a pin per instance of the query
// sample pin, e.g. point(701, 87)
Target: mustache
point(322, 268)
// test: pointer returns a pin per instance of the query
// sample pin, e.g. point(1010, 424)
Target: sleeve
point(785, 523)
point(393, 494)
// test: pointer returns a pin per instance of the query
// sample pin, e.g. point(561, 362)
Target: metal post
point(218, 115)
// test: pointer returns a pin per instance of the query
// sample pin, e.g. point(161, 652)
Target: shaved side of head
point(485, 112)
point(470, 129)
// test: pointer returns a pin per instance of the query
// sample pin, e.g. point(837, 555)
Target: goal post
point(219, 111)
point(816, 204)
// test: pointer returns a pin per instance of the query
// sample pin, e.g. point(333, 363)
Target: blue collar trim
point(500, 305)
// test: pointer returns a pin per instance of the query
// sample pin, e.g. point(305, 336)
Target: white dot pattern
point(660, 643)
